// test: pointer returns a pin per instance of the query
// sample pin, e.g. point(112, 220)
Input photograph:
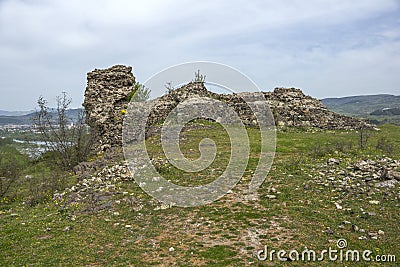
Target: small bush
point(198, 77)
point(170, 88)
point(140, 93)
point(12, 164)
point(42, 187)
point(385, 145)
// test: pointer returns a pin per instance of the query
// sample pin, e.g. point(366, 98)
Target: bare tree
point(170, 88)
point(364, 134)
point(69, 140)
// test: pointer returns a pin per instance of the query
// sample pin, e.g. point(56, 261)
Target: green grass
point(227, 232)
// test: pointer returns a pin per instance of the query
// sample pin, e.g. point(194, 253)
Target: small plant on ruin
point(169, 87)
point(140, 93)
point(198, 77)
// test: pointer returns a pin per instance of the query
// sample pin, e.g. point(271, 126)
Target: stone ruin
point(108, 90)
point(289, 106)
point(106, 98)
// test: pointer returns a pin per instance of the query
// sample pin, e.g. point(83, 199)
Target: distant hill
point(362, 105)
point(15, 113)
point(378, 109)
point(27, 118)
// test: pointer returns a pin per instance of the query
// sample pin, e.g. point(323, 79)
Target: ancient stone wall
point(106, 100)
point(290, 107)
point(107, 93)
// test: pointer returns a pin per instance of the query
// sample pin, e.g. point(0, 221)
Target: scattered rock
point(329, 231)
point(384, 174)
point(395, 175)
point(387, 184)
point(332, 161)
point(338, 206)
point(359, 179)
point(164, 206)
point(45, 237)
point(373, 235)
point(375, 202)
point(355, 228)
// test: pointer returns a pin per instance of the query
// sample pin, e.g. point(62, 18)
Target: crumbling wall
point(106, 100)
point(289, 106)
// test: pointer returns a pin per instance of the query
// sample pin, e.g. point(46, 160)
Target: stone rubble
point(362, 179)
point(99, 186)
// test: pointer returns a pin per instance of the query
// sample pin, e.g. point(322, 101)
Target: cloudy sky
point(328, 48)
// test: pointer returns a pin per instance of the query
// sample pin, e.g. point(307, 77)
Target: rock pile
point(97, 189)
point(363, 179)
point(371, 181)
point(292, 108)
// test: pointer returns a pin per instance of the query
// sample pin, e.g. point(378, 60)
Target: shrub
point(199, 78)
point(140, 93)
point(385, 145)
point(42, 186)
point(12, 164)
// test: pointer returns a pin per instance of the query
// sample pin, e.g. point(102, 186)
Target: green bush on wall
point(139, 94)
